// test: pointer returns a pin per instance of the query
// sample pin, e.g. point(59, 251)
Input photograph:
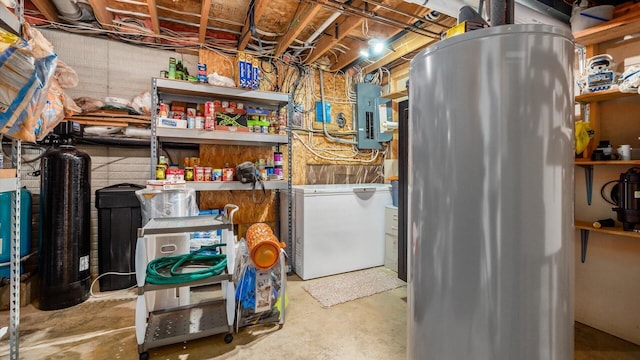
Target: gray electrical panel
point(370, 109)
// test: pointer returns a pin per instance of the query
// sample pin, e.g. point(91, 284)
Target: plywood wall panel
point(222, 64)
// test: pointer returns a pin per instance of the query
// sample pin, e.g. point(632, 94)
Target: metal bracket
point(588, 178)
point(584, 241)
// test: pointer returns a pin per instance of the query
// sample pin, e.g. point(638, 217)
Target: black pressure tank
point(65, 204)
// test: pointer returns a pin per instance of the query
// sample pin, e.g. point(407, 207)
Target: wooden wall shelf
point(604, 95)
point(585, 227)
point(618, 27)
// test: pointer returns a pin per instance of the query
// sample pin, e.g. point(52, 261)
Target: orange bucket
point(264, 247)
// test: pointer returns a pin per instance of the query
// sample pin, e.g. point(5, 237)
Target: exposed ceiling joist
point(100, 11)
point(204, 20)
point(259, 6)
point(298, 24)
point(153, 13)
point(407, 44)
point(354, 53)
point(348, 23)
point(47, 9)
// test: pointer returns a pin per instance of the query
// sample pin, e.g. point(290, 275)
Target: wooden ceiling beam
point(153, 14)
point(409, 43)
point(297, 25)
point(104, 16)
point(204, 20)
point(47, 9)
point(259, 7)
point(347, 24)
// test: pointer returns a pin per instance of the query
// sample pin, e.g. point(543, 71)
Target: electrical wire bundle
point(167, 270)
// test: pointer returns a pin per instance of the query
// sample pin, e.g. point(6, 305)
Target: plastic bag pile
point(32, 101)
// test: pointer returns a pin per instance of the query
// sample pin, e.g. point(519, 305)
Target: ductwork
point(72, 11)
point(523, 12)
point(501, 12)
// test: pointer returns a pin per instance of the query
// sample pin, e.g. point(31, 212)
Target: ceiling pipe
point(501, 12)
point(523, 14)
point(373, 16)
point(71, 11)
point(322, 27)
point(397, 11)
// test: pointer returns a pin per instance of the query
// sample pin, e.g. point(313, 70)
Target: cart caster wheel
point(280, 326)
point(144, 355)
point(228, 338)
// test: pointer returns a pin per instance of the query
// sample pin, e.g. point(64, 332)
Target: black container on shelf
point(119, 218)
point(65, 205)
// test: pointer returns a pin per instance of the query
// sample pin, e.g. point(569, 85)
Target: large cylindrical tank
point(490, 193)
point(65, 205)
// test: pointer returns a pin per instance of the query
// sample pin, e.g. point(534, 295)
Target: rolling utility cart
point(163, 321)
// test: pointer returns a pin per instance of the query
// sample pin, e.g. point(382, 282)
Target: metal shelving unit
point(234, 185)
point(12, 23)
point(9, 21)
point(176, 90)
point(218, 137)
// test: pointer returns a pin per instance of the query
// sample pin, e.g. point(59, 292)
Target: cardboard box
point(231, 119)
point(171, 123)
point(7, 173)
point(28, 292)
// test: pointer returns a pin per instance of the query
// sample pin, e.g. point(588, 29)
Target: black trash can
point(119, 218)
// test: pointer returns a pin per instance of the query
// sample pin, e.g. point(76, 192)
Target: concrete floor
point(369, 328)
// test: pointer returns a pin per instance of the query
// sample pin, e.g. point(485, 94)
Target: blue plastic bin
point(5, 229)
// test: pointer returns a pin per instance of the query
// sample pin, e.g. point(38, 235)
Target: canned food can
point(199, 122)
point(227, 174)
point(217, 175)
point(160, 172)
point(195, 161)
point(207, 174)
point(277, 158)
point(278, 172)
point(199, 173)
point(209, 123)
point(191, 123)
point(163, 110)
point(188, 174)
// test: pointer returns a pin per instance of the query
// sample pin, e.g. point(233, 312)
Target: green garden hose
point(165, 270)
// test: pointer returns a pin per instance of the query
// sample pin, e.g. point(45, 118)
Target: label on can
point(199, 122)
point(209, 123)
point(227, 174)
point(277, 158)
point(160, 172)
point(188, 174)
point(199, 173)
point(217, 175)
point(278, 172)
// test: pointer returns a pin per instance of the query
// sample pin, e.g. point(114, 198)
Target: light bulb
point(364, 53)
point(378, 47)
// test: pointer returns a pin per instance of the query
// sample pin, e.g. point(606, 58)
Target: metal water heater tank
point(490, 196)
point(65, 205)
